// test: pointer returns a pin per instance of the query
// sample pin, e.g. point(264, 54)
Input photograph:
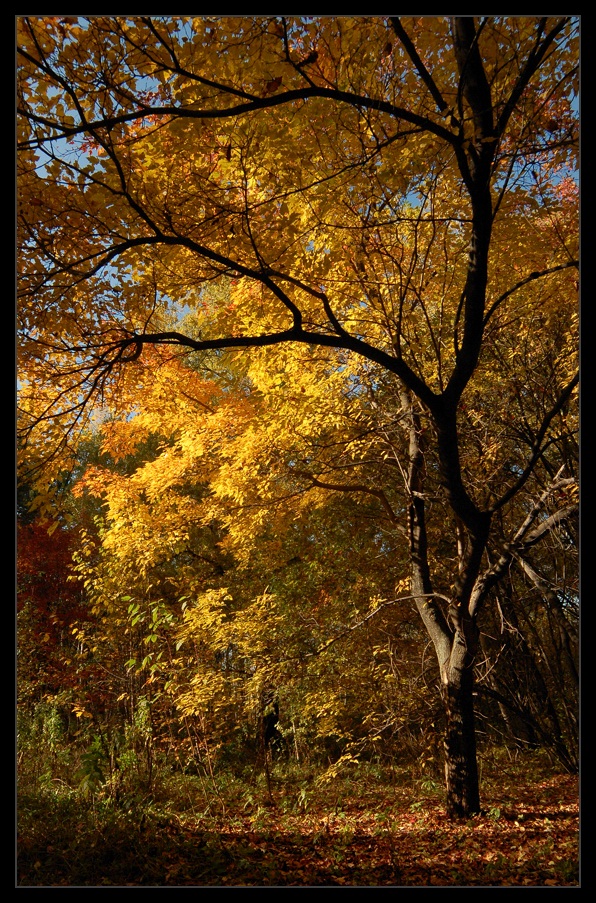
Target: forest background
point(298, 453)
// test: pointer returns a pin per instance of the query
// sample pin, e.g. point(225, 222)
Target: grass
point(369, 827)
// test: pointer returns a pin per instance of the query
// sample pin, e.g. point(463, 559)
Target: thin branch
point(419, 65)
point(538, 448)
point(352, 627)
point(522, 540)
point(532, 63)
point(355, 487)
point(530, 278)
point(263, 103)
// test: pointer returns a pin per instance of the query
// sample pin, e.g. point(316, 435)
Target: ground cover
point(363, 830)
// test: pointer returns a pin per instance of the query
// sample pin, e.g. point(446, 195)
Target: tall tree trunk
point(455, 646)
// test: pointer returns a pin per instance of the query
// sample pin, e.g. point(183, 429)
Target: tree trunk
point(455, 644)
point(457, 689)
point(461, 769)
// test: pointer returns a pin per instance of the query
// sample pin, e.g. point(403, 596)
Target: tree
point(47, 606)
point(399, 192)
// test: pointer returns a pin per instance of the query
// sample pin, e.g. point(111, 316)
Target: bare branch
point(538, 445)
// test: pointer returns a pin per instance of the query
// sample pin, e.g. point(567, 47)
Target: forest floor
point(359, 833)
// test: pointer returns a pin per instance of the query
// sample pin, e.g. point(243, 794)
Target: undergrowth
point(372, 825)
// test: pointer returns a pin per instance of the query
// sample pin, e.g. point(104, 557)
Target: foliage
point(311, 282)
point(48, 604)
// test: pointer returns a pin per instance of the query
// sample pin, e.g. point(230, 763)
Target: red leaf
point(273, 85)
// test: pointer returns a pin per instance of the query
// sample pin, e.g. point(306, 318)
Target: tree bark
point(461, 767)
point(455, 644)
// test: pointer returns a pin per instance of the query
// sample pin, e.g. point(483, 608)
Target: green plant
point(91, 772)
point(430, 786)
point(303, 800)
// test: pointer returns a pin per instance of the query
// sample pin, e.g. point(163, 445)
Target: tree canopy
point(328, 265)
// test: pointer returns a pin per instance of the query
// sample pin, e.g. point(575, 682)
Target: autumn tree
point(396, 192)
point(47, 606)
point(200, 529)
